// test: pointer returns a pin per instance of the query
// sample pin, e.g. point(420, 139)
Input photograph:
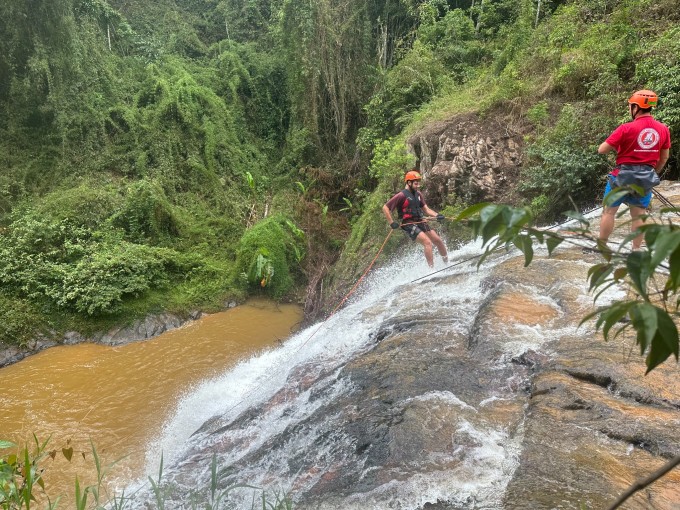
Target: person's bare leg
point(427, 245)
point(607, 223)
point(437, 241)
point(636, 213)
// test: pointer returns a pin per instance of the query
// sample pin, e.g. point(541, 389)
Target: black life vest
point(411, 210)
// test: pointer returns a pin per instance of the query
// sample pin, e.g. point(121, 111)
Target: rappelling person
point(642, 148)
point(412, 210)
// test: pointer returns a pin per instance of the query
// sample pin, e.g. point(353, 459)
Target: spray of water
point(255, 380)
point(268, 385)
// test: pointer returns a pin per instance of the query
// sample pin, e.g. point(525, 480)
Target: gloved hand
point(440, 218)
point(394, 224)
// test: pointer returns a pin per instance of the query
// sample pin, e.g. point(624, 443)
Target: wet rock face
point(487, 396)
point(421, 402)
point(594, 422)
point(476, 159)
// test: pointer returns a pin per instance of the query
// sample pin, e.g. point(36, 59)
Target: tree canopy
point(148, 146)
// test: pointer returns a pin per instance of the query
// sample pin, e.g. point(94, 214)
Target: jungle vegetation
point(176, 154)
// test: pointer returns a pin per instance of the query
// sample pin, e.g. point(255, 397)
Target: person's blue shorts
point(633, 200)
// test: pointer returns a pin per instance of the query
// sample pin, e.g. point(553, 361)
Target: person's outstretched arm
point(387, 213)
point(430, 212)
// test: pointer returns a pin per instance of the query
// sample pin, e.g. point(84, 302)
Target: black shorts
point(416, 228)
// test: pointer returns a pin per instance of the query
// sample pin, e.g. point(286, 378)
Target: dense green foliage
point(145, 148)
point(560, 76)
point(562, 163)
point(266, 252)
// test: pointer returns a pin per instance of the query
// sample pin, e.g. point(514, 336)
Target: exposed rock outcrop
point(477, 159)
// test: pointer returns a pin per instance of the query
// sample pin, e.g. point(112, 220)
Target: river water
point(119, 397)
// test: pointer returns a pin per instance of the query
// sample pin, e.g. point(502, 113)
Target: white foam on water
point(521, 338)
point(255, 380)
point(477, 481)
point(441, 396)
point(488, 465)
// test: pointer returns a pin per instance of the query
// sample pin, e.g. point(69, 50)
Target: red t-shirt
point(639, 142)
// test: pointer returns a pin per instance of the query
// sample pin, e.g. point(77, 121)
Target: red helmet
point(412, 176)
point(644, 99)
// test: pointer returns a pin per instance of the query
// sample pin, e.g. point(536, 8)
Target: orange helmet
point(644, 99)
point(412, 176)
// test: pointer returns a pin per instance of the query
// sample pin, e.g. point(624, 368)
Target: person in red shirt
point(411, 208)
point(642, 148)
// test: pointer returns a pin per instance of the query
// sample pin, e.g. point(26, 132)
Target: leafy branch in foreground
point(21, 475)
point(652, 277)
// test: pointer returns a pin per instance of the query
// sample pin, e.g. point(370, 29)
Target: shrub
point(146, 213)
point(299, 150)
point(454, 40)
point(98, 283)
point(87, 204)
point(390, 159)
point(538, 114)
point(10, 188)
point(590, 58)
point(411, 83)
point(76, 267)
point(659, 70)
point(19, 321)
point(561, 165)
point(268, 253)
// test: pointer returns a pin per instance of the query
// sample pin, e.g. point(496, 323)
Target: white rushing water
point(322, 350)
point(258, 378)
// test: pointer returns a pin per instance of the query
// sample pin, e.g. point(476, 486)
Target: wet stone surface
point(464, 396)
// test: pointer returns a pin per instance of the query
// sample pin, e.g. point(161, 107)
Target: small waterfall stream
point(321, 348)
point(414, 395)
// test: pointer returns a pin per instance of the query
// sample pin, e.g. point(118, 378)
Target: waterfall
point(254, 380)
point(413, 393)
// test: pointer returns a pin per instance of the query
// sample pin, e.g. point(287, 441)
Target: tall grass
point(22, 485)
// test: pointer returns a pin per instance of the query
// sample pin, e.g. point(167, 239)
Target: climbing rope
point(345, 298)
point(354, 288)
point(361, 278)
point(453, 265)
point(665, 201)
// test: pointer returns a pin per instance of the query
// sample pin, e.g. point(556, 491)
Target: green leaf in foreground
point(656, 333)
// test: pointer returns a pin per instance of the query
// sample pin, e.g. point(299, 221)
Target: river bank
point(143, 329)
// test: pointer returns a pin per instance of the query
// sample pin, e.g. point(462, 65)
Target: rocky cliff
point(475, 158)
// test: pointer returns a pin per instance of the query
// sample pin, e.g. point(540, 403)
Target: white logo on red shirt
point(648, 138)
